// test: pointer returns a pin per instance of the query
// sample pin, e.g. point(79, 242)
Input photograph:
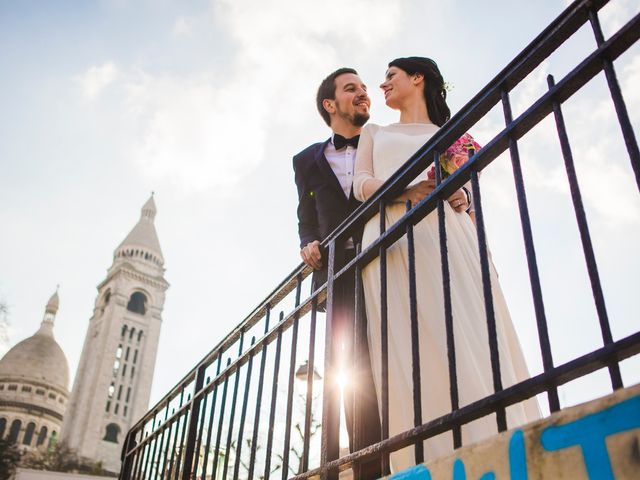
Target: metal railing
point(250, 408)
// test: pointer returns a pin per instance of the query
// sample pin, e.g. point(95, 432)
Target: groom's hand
point(418, 191)
point(311, 255)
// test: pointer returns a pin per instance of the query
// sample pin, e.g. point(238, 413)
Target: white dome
point(38, 358)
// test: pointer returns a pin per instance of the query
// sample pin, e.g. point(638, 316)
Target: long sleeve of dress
point(364, 181)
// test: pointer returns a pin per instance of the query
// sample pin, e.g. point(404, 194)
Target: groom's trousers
point(359, 387)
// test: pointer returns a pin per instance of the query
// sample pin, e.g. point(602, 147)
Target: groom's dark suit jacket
point(322, 204)
point(322, 207)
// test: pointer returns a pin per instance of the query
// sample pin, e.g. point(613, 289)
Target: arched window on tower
point(137, 303)
point(42, 436)
point(28, 434)
point(15, 431)
point(3, 427)
point(107, 297)
point(111, 433)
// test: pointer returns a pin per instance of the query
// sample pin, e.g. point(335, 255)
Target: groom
point(324, 175)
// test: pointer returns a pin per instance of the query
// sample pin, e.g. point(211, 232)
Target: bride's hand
point(458, 201)
point(417, 192)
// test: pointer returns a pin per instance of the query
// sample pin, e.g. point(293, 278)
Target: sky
point(205, 102)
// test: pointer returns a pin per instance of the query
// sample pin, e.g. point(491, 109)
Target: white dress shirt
point(342, 162)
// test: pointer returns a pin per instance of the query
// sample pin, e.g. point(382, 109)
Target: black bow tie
point(340, 142)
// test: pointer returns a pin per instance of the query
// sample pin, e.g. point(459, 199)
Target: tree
point(60, 458)
point(9, 458)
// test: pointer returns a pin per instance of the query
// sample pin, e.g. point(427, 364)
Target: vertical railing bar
point(160, 452)
point(223, 402)
point(330, 439)
point(167, 447)
point(618, 102)
point(175, 437)
point(232, 414)
point(165, 432)
point(585, 237)
point(125, 473)
point(189, 448)
point(174, 444)
point(148, 457)
point(292, 371)
point(448, 312)
point(354, 365)
point(256, 422)
point(212, 412)
point(501, 418)
point(185, 417)
point(310, 379)
point(289, 413)
point(384, 340)
point(136, 461)
point(145, 456)
point(274, 396)
point(140, 458)
point(243, 414)
point(155, 447)
point(530, 251)
point(200, 432)
point(415, 339)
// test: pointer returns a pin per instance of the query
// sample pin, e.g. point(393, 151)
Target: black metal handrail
point(195, 431)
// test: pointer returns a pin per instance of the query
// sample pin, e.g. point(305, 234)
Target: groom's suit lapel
point(327, 172)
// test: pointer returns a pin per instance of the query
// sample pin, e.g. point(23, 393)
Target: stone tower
point(34, 387)
point(113, 381)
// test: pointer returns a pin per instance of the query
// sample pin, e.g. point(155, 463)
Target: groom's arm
point(308, 227)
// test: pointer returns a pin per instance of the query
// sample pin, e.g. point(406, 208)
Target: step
point(597, 440)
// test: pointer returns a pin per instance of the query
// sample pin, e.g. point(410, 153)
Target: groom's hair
point(327, 91)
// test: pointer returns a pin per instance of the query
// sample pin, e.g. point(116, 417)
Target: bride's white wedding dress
point(381, 151)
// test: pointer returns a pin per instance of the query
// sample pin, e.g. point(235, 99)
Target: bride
point(415, 87)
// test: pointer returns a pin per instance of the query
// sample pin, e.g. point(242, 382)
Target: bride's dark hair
point(435, 94)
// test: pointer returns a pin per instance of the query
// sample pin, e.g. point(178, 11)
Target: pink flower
point(455, 156)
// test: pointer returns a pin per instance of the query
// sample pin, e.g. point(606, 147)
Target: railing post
point(127, 460)
point(330, 442)
point(193, 424)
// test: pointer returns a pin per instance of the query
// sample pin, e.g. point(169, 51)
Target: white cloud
point(193, 132)
point(182, 27)
point(601, 160)
point(96, 79)
point(615, 14)
point(209, 129)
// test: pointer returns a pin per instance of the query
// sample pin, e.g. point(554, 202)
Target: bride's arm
point(364, 181)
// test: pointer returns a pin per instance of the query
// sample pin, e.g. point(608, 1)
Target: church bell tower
point(113, 382)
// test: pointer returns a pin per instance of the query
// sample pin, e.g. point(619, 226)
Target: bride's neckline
point(414, 123)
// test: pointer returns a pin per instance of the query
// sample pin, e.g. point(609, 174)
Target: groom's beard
point(356, 119)
point(359, 119)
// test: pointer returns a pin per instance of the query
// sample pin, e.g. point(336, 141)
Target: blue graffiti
point(590, 433)
point(419, 472)
point(517, 457)
point(459, 472)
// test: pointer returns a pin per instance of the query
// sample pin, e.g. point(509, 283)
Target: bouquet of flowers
point(454, 157)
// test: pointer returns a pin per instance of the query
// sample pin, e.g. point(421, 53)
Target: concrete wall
point(596, 440)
